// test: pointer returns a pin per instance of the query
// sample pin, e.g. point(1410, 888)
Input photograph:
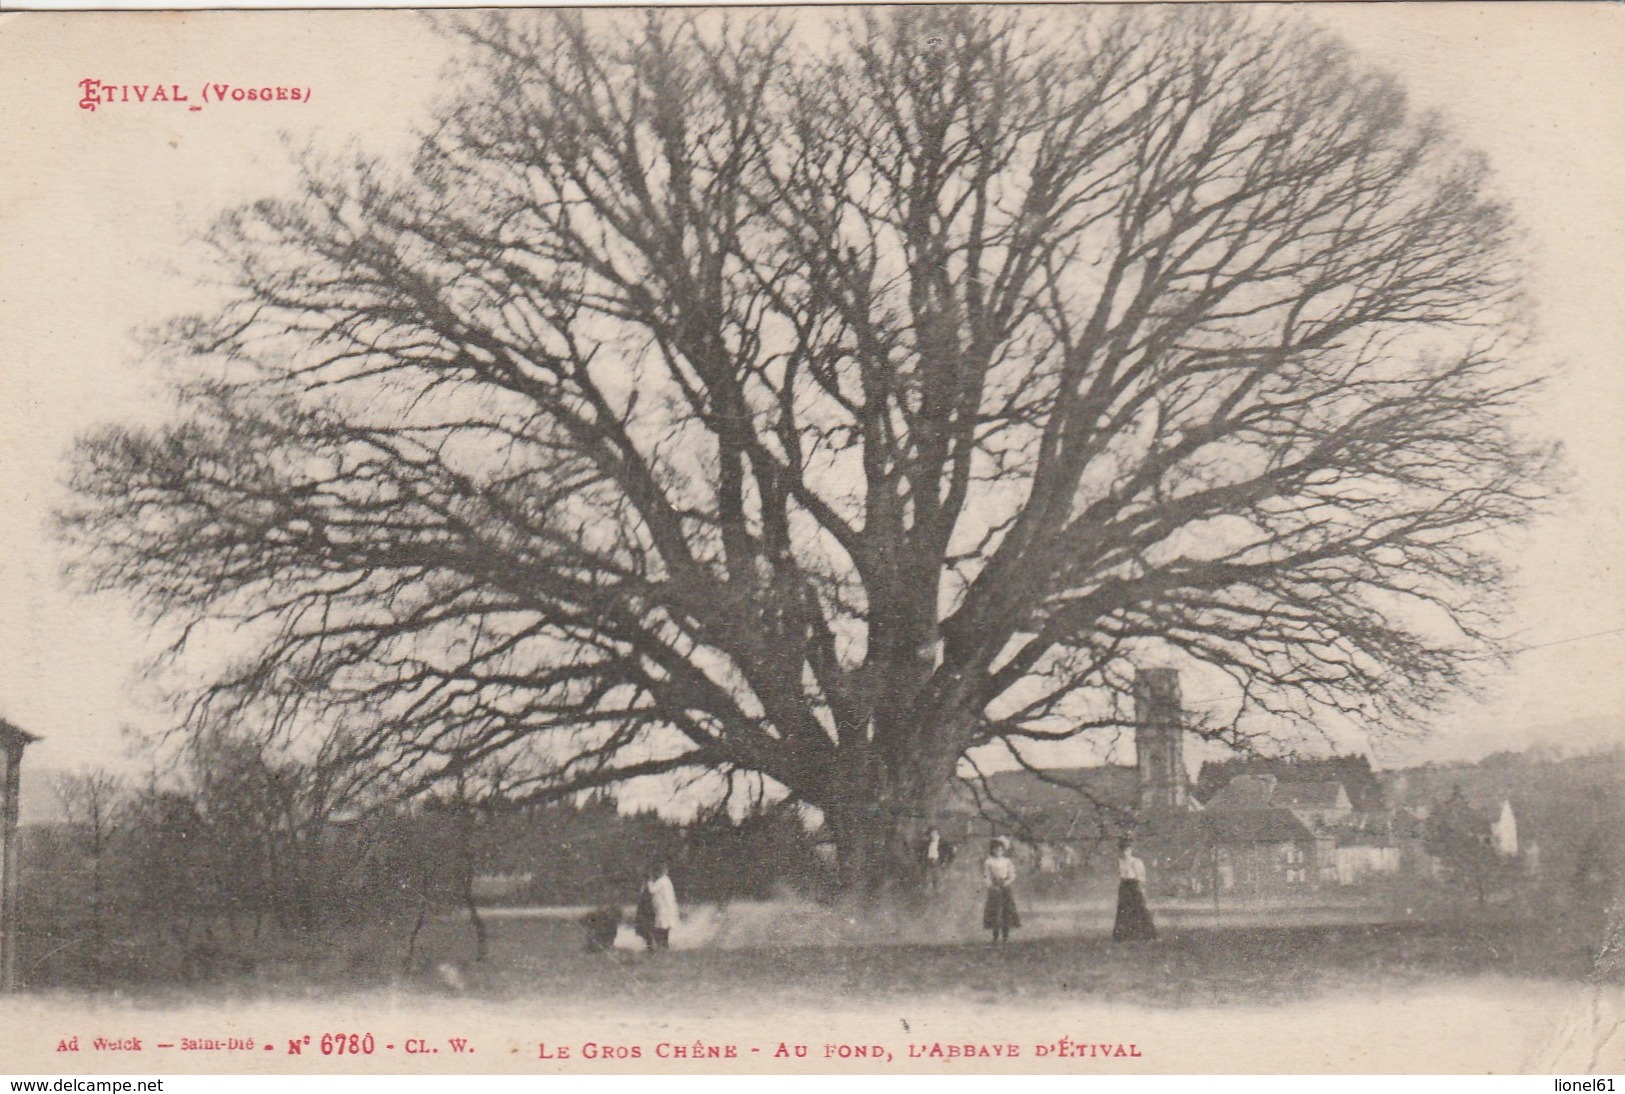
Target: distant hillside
point(1573, 808)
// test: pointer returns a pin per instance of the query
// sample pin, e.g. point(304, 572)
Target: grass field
point(765, 955)
point(1497, 992)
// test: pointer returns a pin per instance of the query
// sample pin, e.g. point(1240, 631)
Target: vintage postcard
point(917, 540)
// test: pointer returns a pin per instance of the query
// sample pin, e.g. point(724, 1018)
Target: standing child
point(935, 855)
point(1133, 916)
point(999, 913)
point(657, 909)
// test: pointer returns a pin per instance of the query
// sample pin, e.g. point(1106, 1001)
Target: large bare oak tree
point(823, 396)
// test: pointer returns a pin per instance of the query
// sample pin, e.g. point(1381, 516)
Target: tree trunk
point(465, 833)
point(482, 942)
point(98, 929)
point(417, 927)
point(875, 826)
point(864, 838)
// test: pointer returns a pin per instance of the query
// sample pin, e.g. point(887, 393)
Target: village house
point(1266, 834)
point(1318, 805)
point(1258, 851)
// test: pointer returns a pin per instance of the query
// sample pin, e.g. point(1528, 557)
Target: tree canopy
point(823, 395)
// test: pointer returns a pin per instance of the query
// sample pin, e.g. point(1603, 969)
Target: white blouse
point(1130, 868)
point(664, 896)
point(998, 871)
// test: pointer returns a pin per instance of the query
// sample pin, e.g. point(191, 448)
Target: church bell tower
point(1159, 738)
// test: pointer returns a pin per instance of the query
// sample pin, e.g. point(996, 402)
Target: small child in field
point(601, 925)
point(999, 914)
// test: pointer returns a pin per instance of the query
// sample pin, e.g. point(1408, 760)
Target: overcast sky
point(99, 208)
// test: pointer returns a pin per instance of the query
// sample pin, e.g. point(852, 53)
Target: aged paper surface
point(126, 135)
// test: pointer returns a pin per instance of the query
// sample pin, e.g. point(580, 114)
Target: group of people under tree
point(658, 912)
point(1000, 915)
point(656, 915)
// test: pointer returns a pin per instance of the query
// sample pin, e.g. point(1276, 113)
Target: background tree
point(460, 816)
point(175, 892)
point(705, 399)
point(1458, 835)
point(93, 802)
point(71, 873)
point(267, 826)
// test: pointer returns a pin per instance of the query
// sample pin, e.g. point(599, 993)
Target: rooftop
point(1269, 792)
point(1251, 826)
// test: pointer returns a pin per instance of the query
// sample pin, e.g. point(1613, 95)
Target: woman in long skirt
point(999, 914)
point(1133, 917)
